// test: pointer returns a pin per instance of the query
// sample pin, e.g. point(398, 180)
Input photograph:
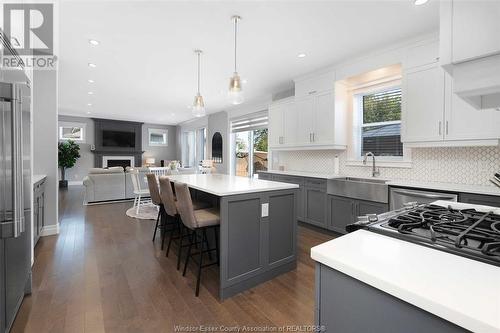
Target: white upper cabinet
point(434, 116)
point(315, 84)
point(276, 126)
point(324, 119)
point(311, 120)
point(475, 29)
point(304, 108)
point(464, 122)
point(423, 105)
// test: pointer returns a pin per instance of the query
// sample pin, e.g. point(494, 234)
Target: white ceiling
point(146, 68)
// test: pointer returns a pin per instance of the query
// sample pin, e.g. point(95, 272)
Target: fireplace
point(117, 143)
point(113, 161)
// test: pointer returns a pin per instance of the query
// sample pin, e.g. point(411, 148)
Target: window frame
point(161, 131)
point(356, 157)
point(67, 124)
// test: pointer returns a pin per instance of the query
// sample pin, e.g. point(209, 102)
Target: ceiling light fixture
point(301, 55)
point(90, 81)
point(235, 84)
point(89, 104)
point(198, 104)
point(94, 42)
point(91, 65)
point(90, 93)
point(88, 112)
point(420, 2)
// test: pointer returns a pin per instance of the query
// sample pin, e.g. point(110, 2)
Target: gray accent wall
point(156, 152)
point(44, 105)
point(86, 161)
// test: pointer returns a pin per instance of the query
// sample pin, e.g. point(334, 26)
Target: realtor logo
point(30, 28)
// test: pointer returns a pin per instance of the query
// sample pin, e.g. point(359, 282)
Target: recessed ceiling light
point(91, 65)
point(88, 112)
point(420, 2)
point(301, 55)
point(244, 81)
point(91, 81)
point(93, 42)
point(90, 93)
point(89, 104)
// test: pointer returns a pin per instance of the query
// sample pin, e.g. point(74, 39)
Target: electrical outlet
point(265, 210)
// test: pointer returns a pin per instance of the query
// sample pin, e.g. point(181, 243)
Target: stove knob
point(411, 204)
point(372, 217)
point(363, 219)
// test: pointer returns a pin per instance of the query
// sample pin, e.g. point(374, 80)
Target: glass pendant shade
point(235, 93)
point(198, 106)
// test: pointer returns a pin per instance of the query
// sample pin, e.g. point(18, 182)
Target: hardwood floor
point(102, 273)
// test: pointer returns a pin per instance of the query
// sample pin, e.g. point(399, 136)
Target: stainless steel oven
point(400, 196)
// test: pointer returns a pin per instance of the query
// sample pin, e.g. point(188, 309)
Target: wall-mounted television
point(121, 139)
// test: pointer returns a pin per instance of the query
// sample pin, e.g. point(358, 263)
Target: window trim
point(355, 157)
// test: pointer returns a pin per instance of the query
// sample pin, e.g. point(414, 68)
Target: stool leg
point(156, 226)
point(193, 235)
point(172, 235)
point(164, 226)
point(179, 253)
point(216, 232)
point(205, 239)
point(198, 278)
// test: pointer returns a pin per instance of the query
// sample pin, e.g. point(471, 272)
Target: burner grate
point(465, 229)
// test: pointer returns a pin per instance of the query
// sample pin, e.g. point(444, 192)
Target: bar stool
point(170, 204)
point(197, 222)
point(156, 200)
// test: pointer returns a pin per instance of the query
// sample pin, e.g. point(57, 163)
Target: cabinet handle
point(447, 127)
point(352, 209)
point(440, 128)
point(312, 92)
point(310, 140)
point(314, 137)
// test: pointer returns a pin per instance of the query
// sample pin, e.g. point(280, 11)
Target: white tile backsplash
point(461, 165)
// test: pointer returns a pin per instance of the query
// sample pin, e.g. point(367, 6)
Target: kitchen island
point(258, 227)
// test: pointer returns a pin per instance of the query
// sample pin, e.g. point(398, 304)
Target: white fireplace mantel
point(105, 159)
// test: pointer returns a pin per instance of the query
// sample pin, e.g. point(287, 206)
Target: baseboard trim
point(50, 230)
point(75, 182)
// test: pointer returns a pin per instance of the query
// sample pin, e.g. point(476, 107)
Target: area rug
point(147, 212)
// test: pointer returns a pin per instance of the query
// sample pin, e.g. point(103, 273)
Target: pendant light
point(235, 87)
point(198, 104)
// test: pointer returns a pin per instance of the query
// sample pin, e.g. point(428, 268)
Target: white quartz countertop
point(476, 189)
point(463, 291)
point(223, 185)
point(304, 174)
point(452, 187)
point(36, 178)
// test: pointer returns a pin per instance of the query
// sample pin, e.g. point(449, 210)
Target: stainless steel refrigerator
point(15, 200)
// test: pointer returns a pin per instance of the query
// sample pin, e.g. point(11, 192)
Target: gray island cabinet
point(258, 228)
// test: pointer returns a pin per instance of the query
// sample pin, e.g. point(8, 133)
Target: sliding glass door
point(250, 152)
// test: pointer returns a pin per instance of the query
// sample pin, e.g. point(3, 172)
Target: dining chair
point(197, 222)
point(158, 171)
point(156, 200)
point(140, 195)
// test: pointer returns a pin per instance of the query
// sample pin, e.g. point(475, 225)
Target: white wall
point(45, 142)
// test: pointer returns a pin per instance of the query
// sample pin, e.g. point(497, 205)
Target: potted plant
point(69, 152)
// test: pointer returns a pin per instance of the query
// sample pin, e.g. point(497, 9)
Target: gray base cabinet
point(479, 199)
point(342, 211)
point(315, 205)
point(38, 209)
point(344, 304)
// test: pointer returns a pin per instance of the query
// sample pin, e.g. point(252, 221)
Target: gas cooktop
point(466, 232)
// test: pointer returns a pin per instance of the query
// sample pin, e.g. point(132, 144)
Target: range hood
point(478, 82)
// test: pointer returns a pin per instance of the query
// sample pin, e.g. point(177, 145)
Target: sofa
point(111, 184)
